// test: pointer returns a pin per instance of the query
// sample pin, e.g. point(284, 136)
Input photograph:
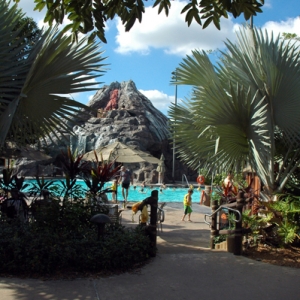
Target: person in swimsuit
point(125, 179)
point(187, 205)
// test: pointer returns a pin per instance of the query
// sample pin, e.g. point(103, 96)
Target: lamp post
point(251, 22)
point(174, 144)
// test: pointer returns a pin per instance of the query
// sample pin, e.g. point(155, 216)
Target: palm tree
point(243, 110)
point(34, 92)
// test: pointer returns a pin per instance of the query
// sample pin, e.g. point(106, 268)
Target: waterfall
point(81, 144)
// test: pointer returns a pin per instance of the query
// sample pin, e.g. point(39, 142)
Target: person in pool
point(143, 186)
point(187, 205)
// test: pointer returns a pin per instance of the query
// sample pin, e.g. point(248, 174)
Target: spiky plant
point(35, 93)
point(241, 107)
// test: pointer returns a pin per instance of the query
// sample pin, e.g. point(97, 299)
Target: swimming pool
point(170, 194)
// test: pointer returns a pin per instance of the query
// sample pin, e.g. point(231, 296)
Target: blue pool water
point(170, 194)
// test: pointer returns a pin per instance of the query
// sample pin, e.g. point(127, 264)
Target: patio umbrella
point(32, 154)
point(122, 153)
point(14, 152)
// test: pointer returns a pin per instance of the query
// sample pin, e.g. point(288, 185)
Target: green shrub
point(62, 238)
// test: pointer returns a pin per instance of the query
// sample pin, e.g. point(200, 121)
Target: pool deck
point(184, 268)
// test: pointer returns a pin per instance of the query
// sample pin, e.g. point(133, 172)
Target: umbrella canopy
point(14, 152)
point(122, 153)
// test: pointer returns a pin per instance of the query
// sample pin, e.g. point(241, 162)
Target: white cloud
point(267, 4)
point(160, 100)
point(289, 26)
point(171, 33)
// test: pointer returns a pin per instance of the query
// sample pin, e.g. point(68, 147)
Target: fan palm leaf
point(36, 103)
point(236, 106)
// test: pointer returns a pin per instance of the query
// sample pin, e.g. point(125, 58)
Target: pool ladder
point(184, 177)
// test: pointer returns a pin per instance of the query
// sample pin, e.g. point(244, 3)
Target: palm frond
point(237, 105)
point(35, 94)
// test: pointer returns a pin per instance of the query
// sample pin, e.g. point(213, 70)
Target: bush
point(62, 239)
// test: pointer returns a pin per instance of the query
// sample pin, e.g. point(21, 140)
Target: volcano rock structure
point(119, 112)
point(125, 115)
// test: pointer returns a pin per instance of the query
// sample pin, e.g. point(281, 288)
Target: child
point(114, 188)
point(187, 202)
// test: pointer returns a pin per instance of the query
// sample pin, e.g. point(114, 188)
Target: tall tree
point(244, 109)
point(34, 94)
point(87, 15)
point(29, 34)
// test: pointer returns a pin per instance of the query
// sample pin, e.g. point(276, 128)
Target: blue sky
point(152, 50)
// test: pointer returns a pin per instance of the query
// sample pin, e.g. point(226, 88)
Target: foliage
point(219, 178)
point(286, 213)
point(30, 31)
point(63, 240)
point(36, 188)
point(220, 238)
point(278, 222)
point(84, 16)
point(101, 173)
point(35, 93)
point(290, 36)
point(11, 181)
point(73, 166)
point(242, 109)
point(59, 237)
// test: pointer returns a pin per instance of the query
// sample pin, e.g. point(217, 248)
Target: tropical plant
point(10, 181)
point(286, 214)
point(28, 29)
point(85, 15)
point(242, 108)
point(40, 185)
point(33, 93)
point(290, 36)
point(99, 175)
point(73, 167)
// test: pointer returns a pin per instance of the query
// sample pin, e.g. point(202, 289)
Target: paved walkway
point(184, 268)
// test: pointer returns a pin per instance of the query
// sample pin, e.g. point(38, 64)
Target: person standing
point(187, 205)
point(125, 179)
point(228, 186)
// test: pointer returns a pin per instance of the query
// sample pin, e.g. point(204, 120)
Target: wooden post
point(213, 231)
point(151, 230)
point(238, 238)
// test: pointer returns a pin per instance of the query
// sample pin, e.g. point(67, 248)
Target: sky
point(152, 50)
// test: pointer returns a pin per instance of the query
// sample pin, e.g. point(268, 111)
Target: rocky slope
point(119, 112)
